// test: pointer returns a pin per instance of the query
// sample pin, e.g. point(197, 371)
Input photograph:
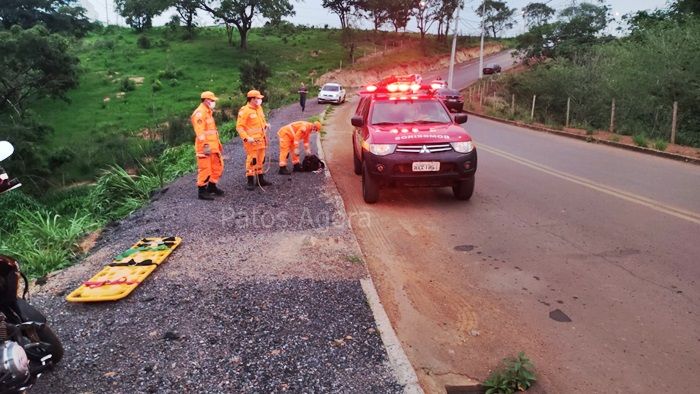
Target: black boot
point(251, 183)
point(262, 181)
point(297, 168)
point(213, 189)
point(284, 171)
point(203, 194)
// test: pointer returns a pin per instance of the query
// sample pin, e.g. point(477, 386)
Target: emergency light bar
point(410, 84)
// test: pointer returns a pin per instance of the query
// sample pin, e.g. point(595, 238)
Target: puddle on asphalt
point(464, 248)
point(559, 316)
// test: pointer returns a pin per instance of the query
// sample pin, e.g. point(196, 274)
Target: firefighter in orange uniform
point(290, 135)
point(252, 128)
point(208, 148)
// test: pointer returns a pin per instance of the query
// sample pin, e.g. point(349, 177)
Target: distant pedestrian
point(302, 96)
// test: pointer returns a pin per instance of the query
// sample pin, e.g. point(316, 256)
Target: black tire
point(47, 335)
point(357, 163)
point(464, 189)
point(370, 186)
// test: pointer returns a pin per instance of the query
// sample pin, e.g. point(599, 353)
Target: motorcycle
point(28, 346)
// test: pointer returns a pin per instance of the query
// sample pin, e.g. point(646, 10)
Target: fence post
point(481, 96)
point(673, 122)
point(341, 64)
point(612, 116)
point(568, 108)
point(532, 112)
point(512, 104)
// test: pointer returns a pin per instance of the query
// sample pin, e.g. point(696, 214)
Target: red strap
point(120, 281)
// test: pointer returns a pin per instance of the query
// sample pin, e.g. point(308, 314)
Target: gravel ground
point(263, 295)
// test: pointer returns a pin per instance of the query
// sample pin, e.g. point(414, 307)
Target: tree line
point(652, 63)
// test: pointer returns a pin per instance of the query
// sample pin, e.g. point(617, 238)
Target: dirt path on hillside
point(262, 296)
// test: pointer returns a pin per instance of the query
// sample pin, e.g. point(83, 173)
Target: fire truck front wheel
point(463, 190)
point(370, 186)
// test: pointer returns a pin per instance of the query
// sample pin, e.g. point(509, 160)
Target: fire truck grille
point(424, 148)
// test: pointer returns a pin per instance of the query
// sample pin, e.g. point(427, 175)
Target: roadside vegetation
point(513, 375)
point(573, 58)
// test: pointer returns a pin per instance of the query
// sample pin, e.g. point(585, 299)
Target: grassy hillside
point(166, 80)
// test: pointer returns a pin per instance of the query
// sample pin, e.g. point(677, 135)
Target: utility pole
point(481, 51)
point(107, 11)
point(451, 72)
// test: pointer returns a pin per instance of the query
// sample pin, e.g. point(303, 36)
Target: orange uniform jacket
point(297, 131)
point(251, 123)
point(205, 130)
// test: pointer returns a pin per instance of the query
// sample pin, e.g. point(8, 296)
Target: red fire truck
point(405, 136)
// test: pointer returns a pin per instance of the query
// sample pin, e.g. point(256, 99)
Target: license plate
point(421, 166)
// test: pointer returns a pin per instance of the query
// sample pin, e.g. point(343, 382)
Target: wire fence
point(489, 96)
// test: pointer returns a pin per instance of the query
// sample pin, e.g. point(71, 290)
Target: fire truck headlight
point(382, 149)
point(463, 146)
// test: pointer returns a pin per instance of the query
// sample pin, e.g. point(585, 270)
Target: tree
point(538, 42)
point(376, 10)
point(399, 12)
point(425, 12)
point(139, 14)
point(580, 27)
point(48, 69)
point(537, 14)
point(187, 9)
point(58, 15)
point(444, 15)
point(241, 13)
point(342, 8)
point(686, 7)
point(497, 16)
point(577, 29)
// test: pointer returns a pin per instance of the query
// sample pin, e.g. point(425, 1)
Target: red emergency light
point(406, 84)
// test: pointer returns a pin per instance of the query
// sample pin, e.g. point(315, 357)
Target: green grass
point(640, 140)
point(182, 70)
point(44, 234)
point(660, 145)
point(354, 260)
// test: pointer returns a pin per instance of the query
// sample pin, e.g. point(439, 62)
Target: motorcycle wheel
point(45, 334)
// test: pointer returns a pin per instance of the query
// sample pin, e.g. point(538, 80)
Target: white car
point(331, 93)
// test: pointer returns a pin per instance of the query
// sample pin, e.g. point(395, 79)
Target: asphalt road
point(583, 256)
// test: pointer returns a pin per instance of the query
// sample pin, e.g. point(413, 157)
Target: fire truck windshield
point(408, 111)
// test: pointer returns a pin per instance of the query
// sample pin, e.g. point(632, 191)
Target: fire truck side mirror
point(461, 118)
point(357, 121)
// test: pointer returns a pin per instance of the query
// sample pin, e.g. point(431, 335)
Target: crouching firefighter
point(252, 128)
point(208, 148)
point(290, 136)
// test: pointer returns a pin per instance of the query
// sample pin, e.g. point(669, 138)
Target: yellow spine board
point(126, 272)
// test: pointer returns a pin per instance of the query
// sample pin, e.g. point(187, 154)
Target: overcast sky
point(310, 12)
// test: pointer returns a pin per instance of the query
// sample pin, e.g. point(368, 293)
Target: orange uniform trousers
point(209, 168)
point(255, 158)
point(287, 149)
